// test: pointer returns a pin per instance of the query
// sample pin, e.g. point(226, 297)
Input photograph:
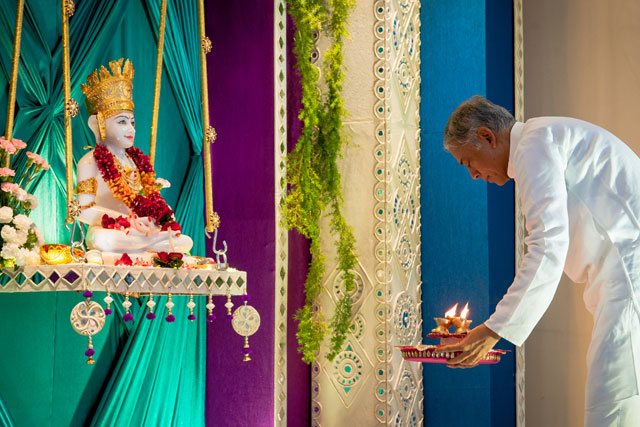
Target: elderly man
point(580, 193)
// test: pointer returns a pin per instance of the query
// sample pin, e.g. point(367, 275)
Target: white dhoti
point(623, 413)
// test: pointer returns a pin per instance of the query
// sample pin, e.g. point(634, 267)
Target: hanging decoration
point(73, 268)
point(312, 169)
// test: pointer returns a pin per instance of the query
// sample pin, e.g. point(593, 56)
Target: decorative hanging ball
point(73, 210)
point(210, 306)
point(71, 108)
point(212, 135)
point(127, 317)
point(108, 300)
point(69, 8)
point(170, 318)
point(151, 304)
point(206, 44)
point(215, 220)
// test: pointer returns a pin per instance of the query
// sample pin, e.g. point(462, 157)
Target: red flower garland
point(150, 203)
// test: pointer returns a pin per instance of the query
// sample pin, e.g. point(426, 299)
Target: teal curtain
point(182, 65)
point(160, 377)
point(43, 377)
point(5, 416)
point(147, 372)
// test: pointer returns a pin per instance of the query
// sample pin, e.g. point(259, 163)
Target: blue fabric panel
point(464, 222)
point(500, 203)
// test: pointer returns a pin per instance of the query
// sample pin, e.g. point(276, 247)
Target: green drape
point(5, 416)
point(43, 378)
point(182, 65)
point(173, 356)
point(157, 376)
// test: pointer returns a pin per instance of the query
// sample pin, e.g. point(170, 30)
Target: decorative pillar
point(369, 383)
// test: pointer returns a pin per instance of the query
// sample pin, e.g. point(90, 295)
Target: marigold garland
point(148, 202)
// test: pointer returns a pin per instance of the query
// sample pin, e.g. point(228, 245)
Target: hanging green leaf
point(314, 180)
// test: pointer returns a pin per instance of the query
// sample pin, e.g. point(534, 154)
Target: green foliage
point(312, 170)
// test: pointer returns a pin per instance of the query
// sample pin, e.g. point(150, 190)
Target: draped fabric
point(40, 119)
point(182, 64)
point(157, 376)
point(160, 377)
point(5, 416)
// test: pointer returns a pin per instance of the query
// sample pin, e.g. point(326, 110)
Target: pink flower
point(7, 146)
point(7, 172)
point(18, 143)
point(9, 187)
point(45, 165)
point(35, 157)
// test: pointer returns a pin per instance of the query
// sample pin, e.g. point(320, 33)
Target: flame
point(452, 311)
point(465, 311)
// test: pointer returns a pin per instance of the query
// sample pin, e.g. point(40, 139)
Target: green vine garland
point(312, 170)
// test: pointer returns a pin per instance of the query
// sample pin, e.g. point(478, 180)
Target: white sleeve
point(539, 165)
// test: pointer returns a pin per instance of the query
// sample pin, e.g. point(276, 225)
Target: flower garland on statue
point(148, 202)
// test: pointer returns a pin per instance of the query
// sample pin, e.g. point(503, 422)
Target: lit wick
point(445, 322)
point(461, 323)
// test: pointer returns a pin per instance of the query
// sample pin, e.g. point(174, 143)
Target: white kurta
point(580, 193)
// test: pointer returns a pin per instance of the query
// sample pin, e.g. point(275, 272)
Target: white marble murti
point(144, 236)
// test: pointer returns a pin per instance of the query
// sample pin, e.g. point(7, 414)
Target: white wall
point(582, 59)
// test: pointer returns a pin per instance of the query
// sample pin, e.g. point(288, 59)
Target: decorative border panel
point(282, 236)
point(398, 271)
point(518, 58)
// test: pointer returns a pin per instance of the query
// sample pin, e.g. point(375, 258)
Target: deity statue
point(117, 190)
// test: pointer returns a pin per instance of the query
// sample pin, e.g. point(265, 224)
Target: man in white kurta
point(580, 192)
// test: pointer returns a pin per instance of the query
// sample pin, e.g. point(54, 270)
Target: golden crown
point(109, 94)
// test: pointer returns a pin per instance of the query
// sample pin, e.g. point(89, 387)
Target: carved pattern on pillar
point(369, 383)
point(397, 192)
point(518, 80)
point(282, 235)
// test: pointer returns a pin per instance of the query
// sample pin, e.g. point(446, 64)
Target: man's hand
point(474, 347)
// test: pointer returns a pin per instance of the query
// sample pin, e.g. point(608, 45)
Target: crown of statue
point(109, 94)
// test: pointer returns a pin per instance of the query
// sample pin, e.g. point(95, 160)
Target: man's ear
point(486, 135)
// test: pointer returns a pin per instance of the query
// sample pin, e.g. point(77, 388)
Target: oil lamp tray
point(441, 335)
point(430, 354)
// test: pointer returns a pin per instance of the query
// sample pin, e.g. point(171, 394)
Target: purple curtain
point(241, 99)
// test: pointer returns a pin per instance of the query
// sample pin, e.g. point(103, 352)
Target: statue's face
point(121, 130)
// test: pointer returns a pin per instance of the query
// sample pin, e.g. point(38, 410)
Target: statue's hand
point(144, 225)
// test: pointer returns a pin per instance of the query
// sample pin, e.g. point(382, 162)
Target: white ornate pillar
point(369, 383)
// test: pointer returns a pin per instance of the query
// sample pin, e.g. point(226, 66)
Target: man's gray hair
point(475, 112)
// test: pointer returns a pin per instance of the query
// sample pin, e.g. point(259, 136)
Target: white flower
point(6, 215)
point(21, 238)
point(9, 251)
point(23, 256)
point(22, 222)
point(33, 257)
point(20, 195)
point(163, 183)
point(33, 201)
point(8, 233)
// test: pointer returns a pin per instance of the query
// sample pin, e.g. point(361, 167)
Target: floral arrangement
point(119, 223)
point(20, 239)
point(125, 259)
point(148, 202)
point(168, 260)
